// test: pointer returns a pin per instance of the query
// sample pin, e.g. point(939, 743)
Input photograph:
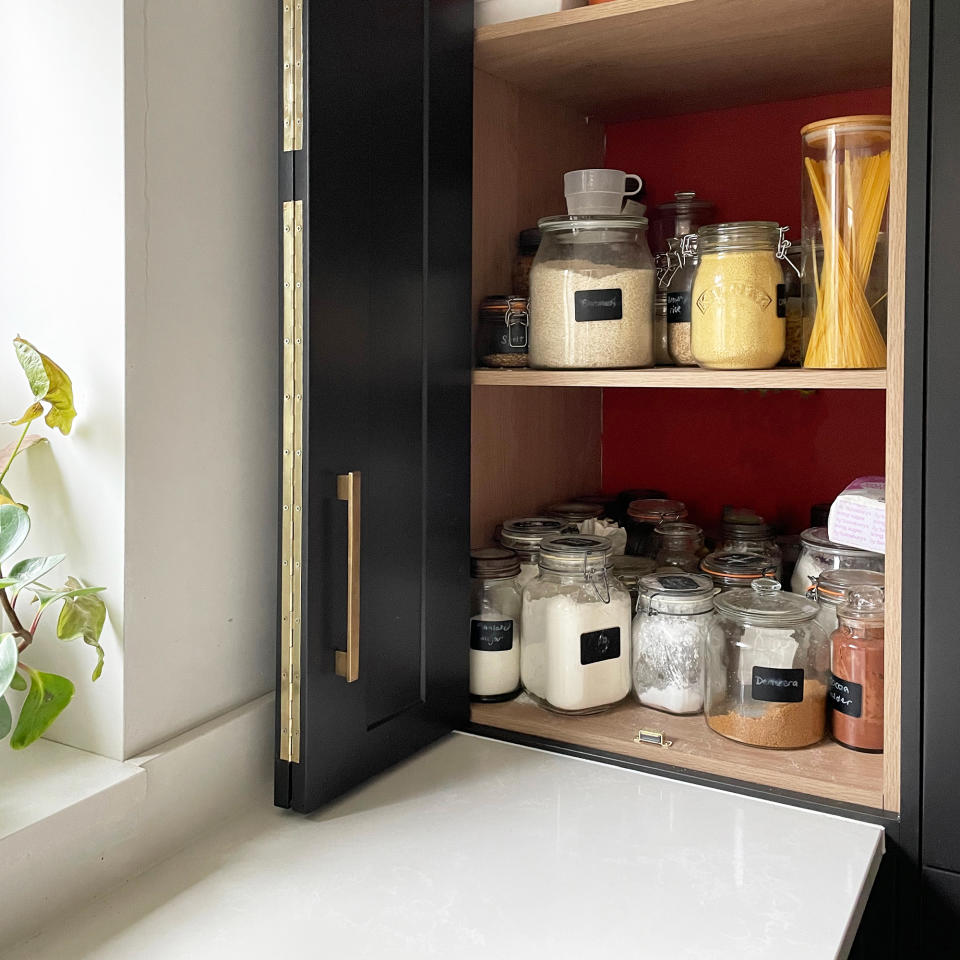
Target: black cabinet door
point(384, 182)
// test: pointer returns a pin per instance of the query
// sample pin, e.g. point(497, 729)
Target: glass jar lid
point(653, 511)
point(574, 511)
point(493, 563)
point(684, 200)
point(675, 530)
point(764, 602)
point(525, 533)
point(816, 537)
point(744, 235)
point(677, 593)
point(747, 530)
point(575, 554)
point(863, 603)
point(862, 123)
point(834, 586)
point(735, 566)
point(576, 224)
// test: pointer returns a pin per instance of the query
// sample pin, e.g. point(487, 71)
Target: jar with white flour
point(669, 635)
point(523, 535)
point(495, 602)
point(575, 656)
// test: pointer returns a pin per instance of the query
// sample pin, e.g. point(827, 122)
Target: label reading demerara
point(778, 684)
point(678, 307)
point(845, 696)
point(591, 305)
point(491, 635)
point(598, 645)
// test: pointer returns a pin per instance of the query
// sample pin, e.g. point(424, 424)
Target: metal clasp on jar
point(783, 245)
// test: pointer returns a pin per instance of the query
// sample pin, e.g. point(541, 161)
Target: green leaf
point(48, 695)
point(32, 412)
point(46, 597)
point(14, 527)
point(83, 616)
point(8, 661)
point(18, 683)
point(48, 383)
point(6, 721)
point(25, 572)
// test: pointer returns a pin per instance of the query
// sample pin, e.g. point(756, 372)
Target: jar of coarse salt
point(575, 656)
point(495, 602)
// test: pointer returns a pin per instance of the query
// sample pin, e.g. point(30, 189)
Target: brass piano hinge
point(291, 552)
point(292, 74)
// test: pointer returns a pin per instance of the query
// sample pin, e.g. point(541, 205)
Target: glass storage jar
point(818, 553)
point(572, 513)
point(591, 294)
point(766, 668)
point(661, 336)
point(754, 537)
point(737, 313)
point(669, 634)
point(495, 603)
point(523, 536)
point(643, 517)
point(679, 289)
point(684, 215)
point(528, 242)
point(731, 570)
point(502, 332)
point(832, 589)
point(856, 676)
point(626, 497)
point(630, 570)
point(678, 545)
point(846, 182)
point(575, 656)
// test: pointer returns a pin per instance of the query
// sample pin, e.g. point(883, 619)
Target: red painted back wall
point(777, 452)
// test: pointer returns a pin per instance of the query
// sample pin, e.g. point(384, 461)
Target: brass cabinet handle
point(348, 663)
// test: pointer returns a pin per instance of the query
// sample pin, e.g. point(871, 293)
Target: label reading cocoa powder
point(778, 684)
point(589, 305)
point(845, 696)
point(598, 645)
point(491, 635)
point(678, 307)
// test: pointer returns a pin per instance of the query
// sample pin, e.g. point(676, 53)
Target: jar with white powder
point(575, 656)
point(495, 602)
point(523, 535)
point(592, 294)
point(819, 553)
point(669, 634)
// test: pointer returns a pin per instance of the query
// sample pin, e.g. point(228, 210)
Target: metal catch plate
point(292, 26)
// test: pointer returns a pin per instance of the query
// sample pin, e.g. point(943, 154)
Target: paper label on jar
point(778, 685)
point(598, 645)
point(845, 696)
point(678, 307)
point(491, 635)
point(589, 305)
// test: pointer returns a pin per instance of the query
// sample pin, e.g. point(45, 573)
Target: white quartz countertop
point(477, 848)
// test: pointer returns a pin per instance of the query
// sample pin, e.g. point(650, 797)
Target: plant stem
point(24, 636)
point(16, 450)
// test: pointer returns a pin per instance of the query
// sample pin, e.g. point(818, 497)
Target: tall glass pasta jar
point(737, 310)
point(591, 294)
point(846, 182)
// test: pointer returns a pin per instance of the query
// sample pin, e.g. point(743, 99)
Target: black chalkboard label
point(845, 696)
point(598, 305)
point(599, 645)
point(781, 299)
point(678, 308)
point(777, 684)
point(491, 635)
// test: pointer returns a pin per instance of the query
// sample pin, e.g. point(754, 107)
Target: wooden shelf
point(631, 58)
point(825, 770)
point(780, 378)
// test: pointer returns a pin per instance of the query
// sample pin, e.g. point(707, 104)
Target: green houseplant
point(24, 597)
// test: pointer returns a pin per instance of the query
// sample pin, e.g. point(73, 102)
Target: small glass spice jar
point(572, 513)
point(495, 602)
point(731, 570)
point(575, 656)
point(678, 545)
point(502, 332)
point(818, 553)
point(751, 537)
point(856, 679)
point(669, 635)
point(643, 517)
point(766, 668)
point(832, 589)
point(528, 242)
point(523, 535)
point(738, 314)
point(679, 288)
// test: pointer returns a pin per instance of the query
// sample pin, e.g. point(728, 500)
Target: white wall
point(62, 287)
point(202, 377)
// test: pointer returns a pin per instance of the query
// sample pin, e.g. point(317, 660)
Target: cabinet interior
point(617, 84)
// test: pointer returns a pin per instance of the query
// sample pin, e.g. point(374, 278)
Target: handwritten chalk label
point(599, 645)
point(781, 299)
point(589, 305)
point(491, 635)
point(778, 684)
point(678, 307)
point(845, 696)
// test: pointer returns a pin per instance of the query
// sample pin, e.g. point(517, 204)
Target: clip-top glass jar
point(679, 288)
point(832, 589)
point(731, 570)
point(643, 517)
point(678, 545)
point(738, 315)
point(766, 668)
point(576, 617)
point(669, 633)
point(573, 512)
point(495, 602)
point(523, 535)
point(856, 680)
point(754, 537)
point(502, 338)
point(591, 294)
point(818, 553)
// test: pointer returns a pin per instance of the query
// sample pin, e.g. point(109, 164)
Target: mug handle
point(630, 193)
